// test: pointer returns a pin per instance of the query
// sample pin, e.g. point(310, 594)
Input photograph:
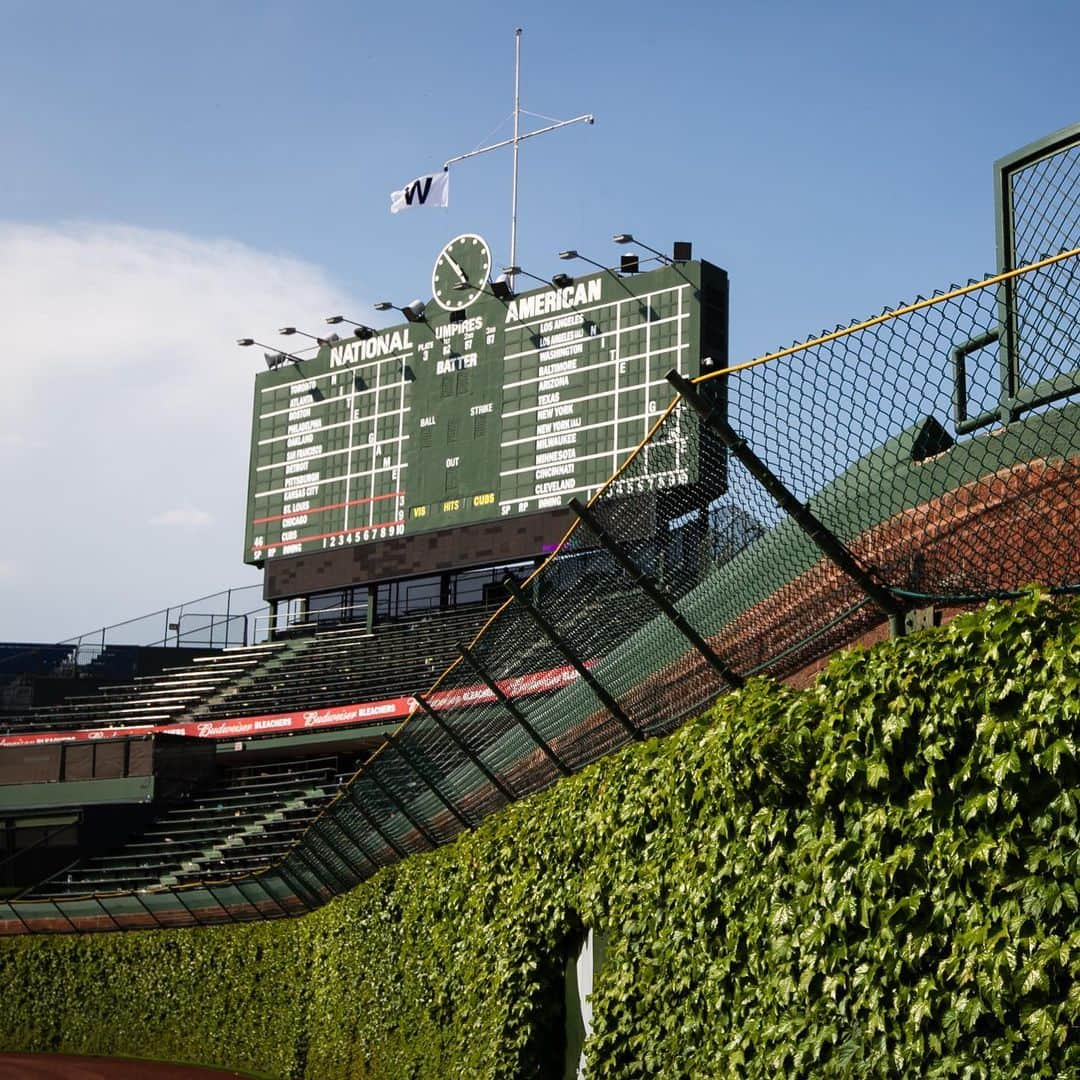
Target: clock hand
point(457, 269)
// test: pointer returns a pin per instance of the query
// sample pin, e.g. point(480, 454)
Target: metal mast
point(515, 141)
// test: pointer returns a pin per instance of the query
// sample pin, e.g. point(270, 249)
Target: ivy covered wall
point(876, 876)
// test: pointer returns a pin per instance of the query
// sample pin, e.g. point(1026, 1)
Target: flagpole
point(517, 140)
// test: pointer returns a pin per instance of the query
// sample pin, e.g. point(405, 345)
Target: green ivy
point(877, 876)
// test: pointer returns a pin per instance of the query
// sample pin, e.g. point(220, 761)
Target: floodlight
point(413, 312)
point(572, 254)
point(361, 331)
point(560, 281)
point(288, 331)
point(628, 238)
point(511, 271)
point(502, 288)
point(274, 358)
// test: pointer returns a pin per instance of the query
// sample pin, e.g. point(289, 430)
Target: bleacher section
point(18, 658)
point(339, 666)
point(248, 819)
point(160, 699)
point(330, 666)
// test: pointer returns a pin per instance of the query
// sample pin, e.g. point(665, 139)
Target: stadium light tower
point(275, 358)
point(287, 331)
point(362, 330)
point(414, 312)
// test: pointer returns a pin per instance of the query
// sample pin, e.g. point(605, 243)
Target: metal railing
point(226, 623)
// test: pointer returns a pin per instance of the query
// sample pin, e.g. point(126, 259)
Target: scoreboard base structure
point(461, 548)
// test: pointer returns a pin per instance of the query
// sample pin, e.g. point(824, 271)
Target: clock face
point(461, 271)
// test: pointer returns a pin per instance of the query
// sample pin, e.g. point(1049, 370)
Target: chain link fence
point(927, 456)
point(836, 493)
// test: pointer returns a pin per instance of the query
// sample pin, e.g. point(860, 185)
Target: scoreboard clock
point(460, 438)
point(461, 272)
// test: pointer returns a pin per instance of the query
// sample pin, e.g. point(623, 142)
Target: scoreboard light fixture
point(561, 281)
point(500, 288)
point(413, 312)
point(288, 331)
point(572, 253)
point(361, 330)
point(628, 238)
point(275, 358)
point(512, 271)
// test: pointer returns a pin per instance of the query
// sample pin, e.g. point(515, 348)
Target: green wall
point(873, 877)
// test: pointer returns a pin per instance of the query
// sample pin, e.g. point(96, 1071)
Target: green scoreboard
point(482, 412)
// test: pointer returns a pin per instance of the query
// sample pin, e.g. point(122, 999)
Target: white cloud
point(185, 516)
point(123, 393)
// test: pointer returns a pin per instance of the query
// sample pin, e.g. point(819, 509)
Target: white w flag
point(433, 190)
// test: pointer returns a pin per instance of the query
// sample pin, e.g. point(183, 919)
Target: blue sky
point(179, 175)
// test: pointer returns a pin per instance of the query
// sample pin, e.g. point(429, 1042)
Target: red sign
point(536, 682)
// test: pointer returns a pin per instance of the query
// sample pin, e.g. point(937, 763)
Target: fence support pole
point(337, 852)
point(149, 914)
point(64, 915)
point(108, 913)
point(268, 894)
point(547, 628)
point(650, 588)
point(415, 822)
point(829, 544)
point(191, 914)
point(514, 711)
point(21, 920)
point(217, 900)
point(395, 744)
point(401, 852)
point(298, 887)
point(329, 819)
point(464, 747)
point(322, 870)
